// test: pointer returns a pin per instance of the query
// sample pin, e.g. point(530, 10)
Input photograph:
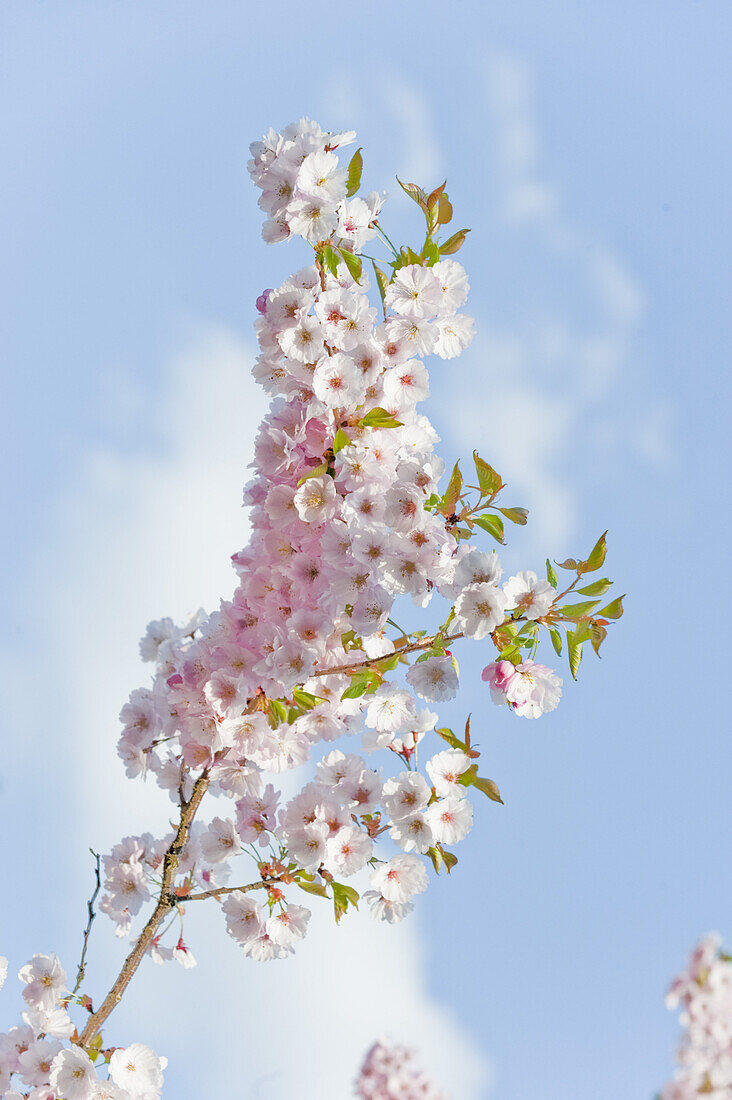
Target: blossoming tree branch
point(703, 991)
point(351, 513)
point(390, 1072)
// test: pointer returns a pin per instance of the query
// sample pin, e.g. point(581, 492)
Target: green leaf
point(435, 855)
point(434, 196)
point(316, 888)
point(360, 683)
point(430, 252)
point(452, 493)
point(382, 282)
point(347, 892)
point(406, 256)
point(444, 210)
point(556, 638)
point(449, 860)
point(353, 263)
point(379, 418)
point(597, 588)
point(570, 563)
point(574, 652)
point(598, 634)
point(343, 896)
point(433, 207)
point(277, 709)
point(469, 776)
point(353, 175)
point(317, 471)
point(454, 244)
point(330, 259)
point(95, 1047)
point(356, 689)
point(551, 575)
point(447, 621)
point(305, 699)
point(489, 480)
point(516, 515)
point(492, 524)
point(449, 736)
point(577, 610)
point(416, 193)
point(340, 440)
point(388, 664)
point(489, 788)
point(597, 555)
point(613, 610)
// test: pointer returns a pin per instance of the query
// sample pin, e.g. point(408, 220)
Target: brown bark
point(413, 647)
point(166, 901)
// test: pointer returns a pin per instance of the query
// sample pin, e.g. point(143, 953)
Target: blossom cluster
point(40, 1059)
point(300, 701)
point(703, 991)
point(348, 518)
point(389, 1072)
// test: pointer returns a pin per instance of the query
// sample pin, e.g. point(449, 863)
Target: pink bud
point(263, 299)
point(499, 674)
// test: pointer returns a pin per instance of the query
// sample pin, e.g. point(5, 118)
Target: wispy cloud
point(551, 348)
point(545, 363)
point(526, 196)
point(420, 156)
point(404, 112)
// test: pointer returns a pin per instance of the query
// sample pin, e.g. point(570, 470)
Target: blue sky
point(586, 147)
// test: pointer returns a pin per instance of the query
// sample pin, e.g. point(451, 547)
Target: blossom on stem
point(530, 689)
point(390, 1072)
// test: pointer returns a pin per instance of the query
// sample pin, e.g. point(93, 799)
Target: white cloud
point(501, 369)
point(544, 370)
point(525, 196)
point(407, 109)
point(146, 533)
point(420, 157)
point(544, 366)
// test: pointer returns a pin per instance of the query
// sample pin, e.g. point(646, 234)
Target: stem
point(566, 590)
point(423, 643)
point(382, 233)
point(166, 901)
point(228, 890)
point(81, 971)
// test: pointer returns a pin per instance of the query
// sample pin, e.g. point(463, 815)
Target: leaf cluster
point(463, 516)
point(587, 620)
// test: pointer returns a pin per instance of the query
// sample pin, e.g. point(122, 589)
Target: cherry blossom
point(390, 1072)
point(703, 991)
point(273, 700)
point(138, 1071)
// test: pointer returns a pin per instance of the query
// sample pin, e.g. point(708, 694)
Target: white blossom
point(138, 1070)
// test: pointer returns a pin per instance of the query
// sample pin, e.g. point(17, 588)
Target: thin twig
point(227, 890)
point(166, 901)
point(423, 643)
point(81, 971)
